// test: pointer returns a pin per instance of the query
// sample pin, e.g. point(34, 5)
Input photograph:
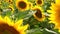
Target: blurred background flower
point(29, 17)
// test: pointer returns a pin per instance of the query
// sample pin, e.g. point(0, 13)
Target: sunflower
point(30, 5)
point(39, 14)
point(11, 8)
point(8, 27)
point(55, 14)
point(5, 0)
point(10, 1)
point(39, 2)
point(22, 5)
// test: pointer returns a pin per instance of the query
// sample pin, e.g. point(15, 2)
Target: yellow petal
point(8, 21)
point(22, 32)
point(23, 28)
point(1, 18)
point(18, 23)
point(57, 1)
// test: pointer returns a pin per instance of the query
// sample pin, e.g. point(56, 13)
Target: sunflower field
point(29, 16)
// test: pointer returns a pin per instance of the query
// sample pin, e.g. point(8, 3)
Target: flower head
point(11, 8)
point(30, 5)
point(22, 5)
point(39, 14)
point(55, 14)
point(9, 27)
point(39, 2)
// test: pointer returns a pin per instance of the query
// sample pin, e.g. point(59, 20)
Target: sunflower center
point(22, 4)
point(6, 29)
point(39, 2)
point(38, 13)
point(10, 0)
